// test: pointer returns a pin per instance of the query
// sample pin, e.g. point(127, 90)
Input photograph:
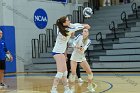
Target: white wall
point(1, 15)
point(20, 13)
point(7, 13)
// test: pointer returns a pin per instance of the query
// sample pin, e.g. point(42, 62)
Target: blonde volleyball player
point(81, 43)
point(65, 28)
point(68, 55)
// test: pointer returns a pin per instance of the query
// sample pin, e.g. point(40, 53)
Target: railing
point(124, 19)
point(100, 39)
point(86, 4)
point(50, 39)
point(134, 9)
point(75, 16)
point(91, 4)
point(80, 14)
point(54, 33)
point(112, 28)
point(35, 48)
point(42, 43)
point(70, 17)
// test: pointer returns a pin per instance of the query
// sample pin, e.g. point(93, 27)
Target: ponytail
point(62, 29)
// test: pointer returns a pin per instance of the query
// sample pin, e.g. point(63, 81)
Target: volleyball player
point(81, 43)
point(68, 55)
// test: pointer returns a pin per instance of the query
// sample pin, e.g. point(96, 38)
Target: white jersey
point(61, 41)
point(76, 55)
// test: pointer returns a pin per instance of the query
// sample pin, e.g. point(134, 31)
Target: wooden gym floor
point(104, 82)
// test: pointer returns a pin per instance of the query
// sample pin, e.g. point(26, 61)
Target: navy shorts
point(2, 65)
point(54, 53)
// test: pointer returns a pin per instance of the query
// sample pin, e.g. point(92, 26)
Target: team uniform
point(79, 56)
point(61, 41)
point(3, 51)
point(76, 56)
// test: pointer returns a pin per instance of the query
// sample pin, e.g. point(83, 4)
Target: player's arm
point(76, 40)
point(83, 49)
point(77, 27)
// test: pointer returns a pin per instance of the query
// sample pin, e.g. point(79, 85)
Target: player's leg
point(73, 75)
point(2, 68)
point(64, 78)
point(78, 73)
point(61, 67)
point(87, 68)
point(73, 71)
point(1, 71)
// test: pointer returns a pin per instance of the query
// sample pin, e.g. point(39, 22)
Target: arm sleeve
point(75, 27)
point(76, 39)
point(87, 45)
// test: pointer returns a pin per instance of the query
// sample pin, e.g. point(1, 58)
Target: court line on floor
point(111, 86)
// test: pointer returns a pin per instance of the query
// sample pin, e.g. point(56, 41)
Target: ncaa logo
point(40, 18)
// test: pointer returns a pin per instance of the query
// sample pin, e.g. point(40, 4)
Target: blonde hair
point(85, 39)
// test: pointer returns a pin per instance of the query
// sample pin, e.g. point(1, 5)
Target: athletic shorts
point(2, 65)
point(77, 57)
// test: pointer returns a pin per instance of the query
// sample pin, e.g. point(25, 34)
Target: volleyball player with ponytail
point(65, 28)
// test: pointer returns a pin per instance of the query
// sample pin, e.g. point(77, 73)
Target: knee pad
point(65, 74)
point(72, 78)
point(90, 76)
point(59, 75)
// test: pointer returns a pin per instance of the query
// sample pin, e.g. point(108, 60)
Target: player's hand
point(81, 48)
point(11, 58)
point(86, 26)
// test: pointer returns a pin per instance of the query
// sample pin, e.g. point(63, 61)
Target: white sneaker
point(67, 90)
point(67, 80)
point(2, 85)
point(80, 84)
point(90, 88)
point(80, 80)
point(72, 78)
point(54, 90)
point(73, 89)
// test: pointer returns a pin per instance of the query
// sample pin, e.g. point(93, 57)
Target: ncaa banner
point(40, 18)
